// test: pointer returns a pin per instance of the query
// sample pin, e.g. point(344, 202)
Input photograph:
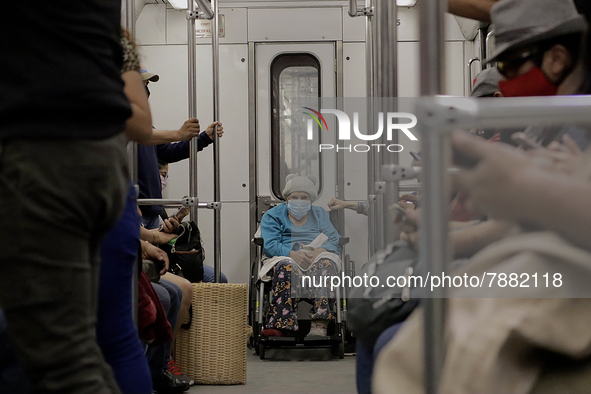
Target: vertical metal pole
point(252, 143)
point(192, 74)
point(130, 16)
point(435, 147)
point(340, 192)
point(386, 14)
point(378, 77)
point(482, 39)
point(370, 71)
point(378, 217)
point(340, 174)
point(217, 218)
point(340, 162)
point(132, 162)
point(131, 146)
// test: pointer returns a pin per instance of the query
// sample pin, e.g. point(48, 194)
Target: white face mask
point(163, 181)
point(298, 208)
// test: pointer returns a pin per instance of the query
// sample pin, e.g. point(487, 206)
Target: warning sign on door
point(203, 27)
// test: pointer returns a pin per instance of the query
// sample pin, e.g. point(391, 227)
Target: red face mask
point(532, 83)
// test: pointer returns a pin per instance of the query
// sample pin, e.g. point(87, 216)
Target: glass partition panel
point(295, 78)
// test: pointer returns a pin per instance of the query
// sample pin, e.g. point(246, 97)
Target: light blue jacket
point(280, 234)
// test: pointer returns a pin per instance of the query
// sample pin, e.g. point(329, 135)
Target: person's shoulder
point(316, 208)
point(319, 211)
point(277, 210)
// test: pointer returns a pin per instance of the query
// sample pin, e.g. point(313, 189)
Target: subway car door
point(285, 74)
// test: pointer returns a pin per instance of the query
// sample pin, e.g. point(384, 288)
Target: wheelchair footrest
point(332, 338)
point(278, 339)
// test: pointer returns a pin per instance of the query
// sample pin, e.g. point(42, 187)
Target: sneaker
point(167, 383)
point(318, 329)
point(176, 371)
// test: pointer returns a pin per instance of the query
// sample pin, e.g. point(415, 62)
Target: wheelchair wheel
point(261, 351)
point(342, 350)
point(254, 345)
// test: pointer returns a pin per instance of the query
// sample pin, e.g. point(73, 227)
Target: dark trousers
point(116, 333)
point(366, 358)
point(57, 199)
point(171, 297)
point(12, 378)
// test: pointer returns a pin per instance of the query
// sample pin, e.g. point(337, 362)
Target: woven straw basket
point(213, 350)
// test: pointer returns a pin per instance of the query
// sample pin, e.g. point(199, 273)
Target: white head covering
point(306, 184)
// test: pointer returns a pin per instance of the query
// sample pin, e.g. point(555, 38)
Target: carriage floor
point(293, 371)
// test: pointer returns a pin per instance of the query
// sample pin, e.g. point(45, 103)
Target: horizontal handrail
point(185, 202)
point(449, 113)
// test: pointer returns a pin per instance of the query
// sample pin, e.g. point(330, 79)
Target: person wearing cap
point(538, 53)
point(285, 230)
point(517, 344)
point(168, 146)
point(539, 47)
point(486, 83)
point(148, 77)
point(162, 147)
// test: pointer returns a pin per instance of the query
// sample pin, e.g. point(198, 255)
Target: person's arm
point(156, 237)
point(467, 241)
point(189, 130)
point(360, 207)
point(271, 234)
point(332, 245)
point(171, 153)
point(473, 9)
point(155, 254)
point(455, 225)
point(138, 128)
point(507, 184)
point(560, 204)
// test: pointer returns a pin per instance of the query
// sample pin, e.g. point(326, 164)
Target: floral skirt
point(287, 282)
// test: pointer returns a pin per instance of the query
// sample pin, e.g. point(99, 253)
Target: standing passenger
point(162, 147)
point(117, 334)
point(63, 181)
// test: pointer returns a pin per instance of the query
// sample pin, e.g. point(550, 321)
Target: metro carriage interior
point(454, 249)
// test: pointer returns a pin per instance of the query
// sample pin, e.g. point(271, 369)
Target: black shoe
point(167, 383)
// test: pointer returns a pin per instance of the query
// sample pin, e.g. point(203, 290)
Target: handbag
point(373, 309)
point(185, 252)
point(152, 270)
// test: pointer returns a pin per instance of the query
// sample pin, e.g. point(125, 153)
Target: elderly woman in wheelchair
point(299, 241)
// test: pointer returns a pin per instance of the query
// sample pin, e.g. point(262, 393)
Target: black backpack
point(186, 254)
point(373, 310)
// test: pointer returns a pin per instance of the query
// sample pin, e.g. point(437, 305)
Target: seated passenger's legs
point(186, 297)
point(283, 309)
point(158, 356)
point(323, 308)
point(209, 275)
point(171, 300)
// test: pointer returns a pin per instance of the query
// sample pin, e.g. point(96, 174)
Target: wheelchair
point(259, 299)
